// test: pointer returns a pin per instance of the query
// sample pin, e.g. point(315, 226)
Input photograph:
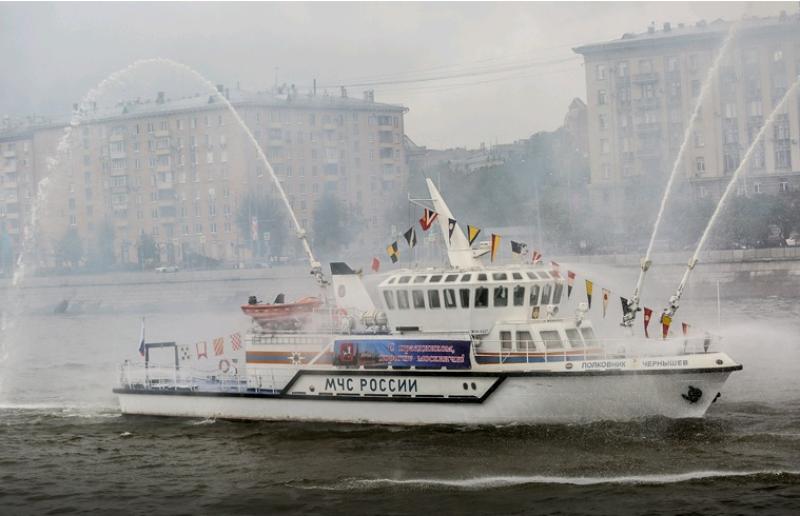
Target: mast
point(459, 251)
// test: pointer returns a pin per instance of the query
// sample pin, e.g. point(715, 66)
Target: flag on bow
point(606, 293)
point(186, 353)
point(141, 340)
point(451, 226)
point(495, 245)
point(648, 314)
point(236, 342)
point(376, 264)
point(685, 328)
point(391, 250)
point(202, 349)
point(473, 233)
point(219, 346)
point(666, 320)
point(518, 248)
point(411, 237)
point(589, 289)
point(570, 282)
point(427, 219)
point(536, 257)
point(556, 269)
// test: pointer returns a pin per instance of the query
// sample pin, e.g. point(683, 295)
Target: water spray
point(629, 314)
point(674, 301)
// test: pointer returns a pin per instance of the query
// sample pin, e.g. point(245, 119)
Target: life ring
point(224, 365)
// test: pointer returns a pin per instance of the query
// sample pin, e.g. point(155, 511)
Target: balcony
point(643, 78)
point(119, 189)
point(648, 102)
point(162, 133)
point(167, 184)
point(652, 128)
point(10, 154)
point(117, 137)
point(117, 155)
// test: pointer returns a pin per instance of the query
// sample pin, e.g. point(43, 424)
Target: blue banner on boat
point(450, 354)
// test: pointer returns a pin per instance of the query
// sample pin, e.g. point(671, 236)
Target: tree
point(331, 225)
point(147, 250)
point(101, 256)
point(69, 249)
point(271, 218)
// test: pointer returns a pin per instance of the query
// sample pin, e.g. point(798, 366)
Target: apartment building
point(179, 170)
point(642, 88)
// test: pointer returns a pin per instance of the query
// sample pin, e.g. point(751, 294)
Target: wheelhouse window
point(404, 279)
point(464, 294)
point(436, 278)
point(546, 290)
point(574, 338)
point(499, 276)
point(588, 335)
point(525, 341)
point(481, 297)
point(402, 300)
point(449, 298)
point(534, 295)
point(516, 275)
point(501, 296)
point(451, 278)
point(519, 295)
point(557, 291)
point(466, 277)
point(392, 280)
point(388, 296)
point(433, 299)
point(420, 279)
point(481, 277)
point(552, 340)
point(505, 340)
point(419, 298)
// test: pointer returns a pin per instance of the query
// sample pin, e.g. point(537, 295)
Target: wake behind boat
point(463, 344)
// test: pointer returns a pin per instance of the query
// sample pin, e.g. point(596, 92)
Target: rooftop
point(161, 105)
point(700, 31)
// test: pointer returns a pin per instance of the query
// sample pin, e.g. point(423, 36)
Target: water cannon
point(632, 306)
point(580, 313)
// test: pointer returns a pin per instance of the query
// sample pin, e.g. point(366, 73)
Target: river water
point(64, 447)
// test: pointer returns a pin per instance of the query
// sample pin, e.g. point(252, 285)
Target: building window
point(699, 139)
point(693, 62)
point(702, 192)
point(645, 66)
point(602, 121)
point(622, 69)
point(730, 110)
point(601, 97)
point(604, 146)
point(700, 165)
point(757, 188)
point(783, 186)
point(606, 171)
point(601, 72)
point(695, 88)
point(672, 64)
point(777, 56)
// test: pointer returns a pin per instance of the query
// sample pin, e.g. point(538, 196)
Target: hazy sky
point(512, 71)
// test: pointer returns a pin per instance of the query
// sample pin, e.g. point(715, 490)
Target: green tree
point(331, 225)
point(147, 250)
point(272, 218)
point(69, 249)
point(101, 254)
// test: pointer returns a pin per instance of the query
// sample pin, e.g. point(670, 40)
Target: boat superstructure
point(461, 344)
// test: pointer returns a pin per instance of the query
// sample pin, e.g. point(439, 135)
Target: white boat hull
point(525, 399)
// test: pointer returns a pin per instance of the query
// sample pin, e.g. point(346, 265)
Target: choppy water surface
point(64, 447)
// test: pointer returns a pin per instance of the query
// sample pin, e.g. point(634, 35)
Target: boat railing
point(593, 349)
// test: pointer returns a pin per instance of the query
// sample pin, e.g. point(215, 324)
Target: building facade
point(642, 88)
point(180, 170)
